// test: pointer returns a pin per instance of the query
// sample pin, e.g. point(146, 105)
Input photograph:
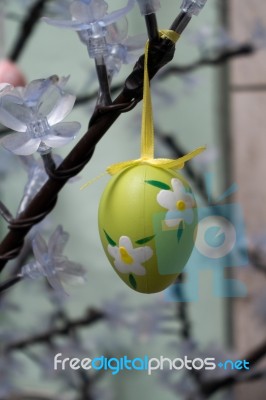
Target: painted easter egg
point(147, 223)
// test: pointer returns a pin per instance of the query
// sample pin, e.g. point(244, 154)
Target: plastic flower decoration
point(125, 51)
point(37, 177)
point(193, 7)
point(128, 259)
point(178, 202)
point(50, 262)
point(35, 112)
point(93, 24)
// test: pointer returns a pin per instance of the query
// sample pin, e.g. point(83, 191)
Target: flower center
point(38, 128)
point(180, 205)
point(126, 258)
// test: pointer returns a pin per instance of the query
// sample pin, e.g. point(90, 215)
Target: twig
point(27, 26)
point(152, 27)
point(254, 356)
point(10, 283)
point(245, 49)
point(90, 318)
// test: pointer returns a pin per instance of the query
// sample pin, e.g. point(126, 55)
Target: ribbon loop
point(147, 127)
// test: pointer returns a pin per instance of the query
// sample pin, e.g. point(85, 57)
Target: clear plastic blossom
point(35, 112)
point(129, 259)
point(178, 202)
point(122, 52)
point(94, 25)
point(37, 177)
point(4, 87)
point(50, 262)
point(85, 13)
point(193, 7)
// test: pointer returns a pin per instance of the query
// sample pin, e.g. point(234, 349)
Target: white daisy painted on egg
point(128, 259)
point(178, 202)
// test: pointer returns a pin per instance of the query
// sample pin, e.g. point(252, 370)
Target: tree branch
point(31, 19)
point(90, 318)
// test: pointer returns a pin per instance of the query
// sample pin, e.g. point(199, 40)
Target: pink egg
point(10, 73)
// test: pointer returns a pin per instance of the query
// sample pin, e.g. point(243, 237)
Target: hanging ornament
point(147, 213)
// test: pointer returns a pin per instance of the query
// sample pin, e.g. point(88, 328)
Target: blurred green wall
point(192, 119)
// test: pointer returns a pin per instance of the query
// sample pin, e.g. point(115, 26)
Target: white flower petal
point(142, 254)
point(85, 12)
point(20, 143)
point(62, 108)
point(121, 267)
point(62, 134)
point(57, 241)
point(71, 272)
point(39, 248)
point(125, 241)
point(56, 284)
point(166, 199)
point(177, 186)
point(137, 269)
point(4, 87)
point(11, 122)
point(76, 25)
point(36, 89)
point(116, 15)
point(113, 251)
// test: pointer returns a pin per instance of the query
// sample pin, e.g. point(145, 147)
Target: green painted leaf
point(110, 240)
point(132, 281)
point(159, 184)
point(180, 231)
point(145, 240)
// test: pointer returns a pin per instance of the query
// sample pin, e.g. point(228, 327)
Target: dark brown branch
point(92, 317)
point(9, 283)
point(245, 49)
point(152, 27)
point(253, 357)
point(32, 18)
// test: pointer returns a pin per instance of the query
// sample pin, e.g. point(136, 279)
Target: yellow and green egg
point(147, 225)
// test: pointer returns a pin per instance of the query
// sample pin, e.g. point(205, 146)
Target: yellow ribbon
point(147, 130)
